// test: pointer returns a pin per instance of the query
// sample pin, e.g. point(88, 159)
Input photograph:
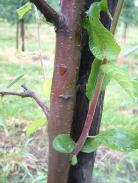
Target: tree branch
point(50, 14)
point(90, 116)
point(93, 104)
point(117, 15)
point(28, 93)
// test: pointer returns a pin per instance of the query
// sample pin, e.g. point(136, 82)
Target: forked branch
point(50, 14)
point(28, 93)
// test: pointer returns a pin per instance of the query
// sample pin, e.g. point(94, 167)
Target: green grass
point(118, 107)
point(16, 113)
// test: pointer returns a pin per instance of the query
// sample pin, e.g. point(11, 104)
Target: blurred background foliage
point(129, 15)
point(23, 156)
point(8, 11)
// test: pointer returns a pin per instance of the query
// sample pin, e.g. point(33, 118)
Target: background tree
point(129, 15)
point(8, 12)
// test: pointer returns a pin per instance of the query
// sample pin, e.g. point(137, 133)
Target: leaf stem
point(93, 103)
point(117, 15)
point(90, 115)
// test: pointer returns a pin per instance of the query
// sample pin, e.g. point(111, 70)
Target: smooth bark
point(66, 68)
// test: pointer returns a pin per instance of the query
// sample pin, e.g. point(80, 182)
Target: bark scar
point(62, 69)
point(66, 97)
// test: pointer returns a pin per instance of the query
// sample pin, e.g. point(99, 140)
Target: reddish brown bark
point(89, 118)
point(68, 54)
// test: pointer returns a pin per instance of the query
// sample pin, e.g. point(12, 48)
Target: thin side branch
point(90, 116)
point(50, 14)
point(117, 15)
point(93, 104)
point(28, 93)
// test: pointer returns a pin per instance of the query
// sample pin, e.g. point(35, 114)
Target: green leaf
point(23, 10)
point(95, 68)
point(32, 128)
point(113, 71)
point(120, 139)
point(104, 5)
point(63, 143)
point(91, 144)
point(74, 160)
point(105, 82)
point(124, 140)
point(15, 80)
point(101, 41)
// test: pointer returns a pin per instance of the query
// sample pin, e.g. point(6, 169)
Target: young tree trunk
point(82, 172)
point(17, 35)
point(22, 34)
point(66, 68)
